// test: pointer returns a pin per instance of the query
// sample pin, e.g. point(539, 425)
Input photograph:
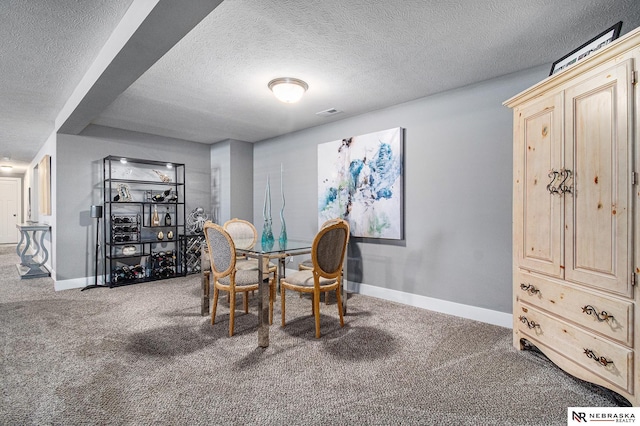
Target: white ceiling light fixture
point(287, 89)
point(6, 168)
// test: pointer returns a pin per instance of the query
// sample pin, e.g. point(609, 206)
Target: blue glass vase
point(267, 235)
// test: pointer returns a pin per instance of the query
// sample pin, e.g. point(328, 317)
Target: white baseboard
point(82, 282)
point(488, 316)
point(475, 313)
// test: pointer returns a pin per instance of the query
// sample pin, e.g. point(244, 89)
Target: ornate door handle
point(553, 174)
point(563, 187)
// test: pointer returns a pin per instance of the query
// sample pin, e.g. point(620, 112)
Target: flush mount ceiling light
point(288, 89)
point(6, 168)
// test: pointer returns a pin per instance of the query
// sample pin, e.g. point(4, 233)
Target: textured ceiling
point(356, 56)
point(46, 47)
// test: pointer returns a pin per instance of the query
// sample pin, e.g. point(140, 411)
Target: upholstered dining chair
point(225, 275)
point(307, 264)
point(327, 256)
point(245, 236)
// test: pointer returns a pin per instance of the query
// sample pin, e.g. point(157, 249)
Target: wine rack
point(193, 251)
point(139, 249)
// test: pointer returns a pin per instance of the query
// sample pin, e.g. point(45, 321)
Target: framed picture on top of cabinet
point(593, 45)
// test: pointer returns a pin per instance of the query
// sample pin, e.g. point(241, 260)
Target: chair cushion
point(250, 265)
point(249, 277)
point(305, 278)
point(307, 263)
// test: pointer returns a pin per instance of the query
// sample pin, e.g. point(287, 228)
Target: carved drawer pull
point(529, 288)
point(602, 316)
point(600, 360)
point(530, 324)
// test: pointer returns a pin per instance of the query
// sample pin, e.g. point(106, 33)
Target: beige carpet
point(142, 354)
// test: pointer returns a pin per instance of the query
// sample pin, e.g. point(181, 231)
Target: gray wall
point(79, 185)
point(241, 180)
point(220, 181)
point(232, 180)
point(458, 180)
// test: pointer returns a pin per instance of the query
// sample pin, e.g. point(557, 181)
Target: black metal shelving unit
point(136, 250)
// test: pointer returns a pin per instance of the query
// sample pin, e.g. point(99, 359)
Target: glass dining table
point(264, 254)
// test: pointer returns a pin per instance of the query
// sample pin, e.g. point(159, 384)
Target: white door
point(9, 209)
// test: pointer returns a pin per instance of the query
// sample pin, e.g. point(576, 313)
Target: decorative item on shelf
point(160, 197)
point(124, 193)
point(162, 176)
point(155, 219)
point(170, 235)
point(167, 218)
point(283, 229)
point(267, 233)
point(161, 235)
point(172, 197)
point(129, 250)
point(196, 220)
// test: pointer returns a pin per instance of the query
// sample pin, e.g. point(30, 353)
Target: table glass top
point(291, 246)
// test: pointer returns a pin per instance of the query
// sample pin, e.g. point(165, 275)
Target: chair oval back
point(242, 232)
point(329, 248)
point(222, 251)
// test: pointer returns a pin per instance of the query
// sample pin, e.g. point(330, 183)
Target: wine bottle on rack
point(167, 218)
point(155, 219)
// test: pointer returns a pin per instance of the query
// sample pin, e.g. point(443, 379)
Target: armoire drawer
point(607, 316)
point(606, 359)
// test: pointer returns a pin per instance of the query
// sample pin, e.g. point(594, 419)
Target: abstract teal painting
point(360, 180)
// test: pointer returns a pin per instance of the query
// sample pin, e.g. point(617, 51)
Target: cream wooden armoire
point(576, 221)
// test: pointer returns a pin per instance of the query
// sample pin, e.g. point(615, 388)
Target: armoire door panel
point(539, 235)
point(596, 211)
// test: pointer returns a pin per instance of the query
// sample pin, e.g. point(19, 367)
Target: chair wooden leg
point(215, 305)
point(339, 303)
point(316, 313)
point(232, 311)
point(282, 302)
